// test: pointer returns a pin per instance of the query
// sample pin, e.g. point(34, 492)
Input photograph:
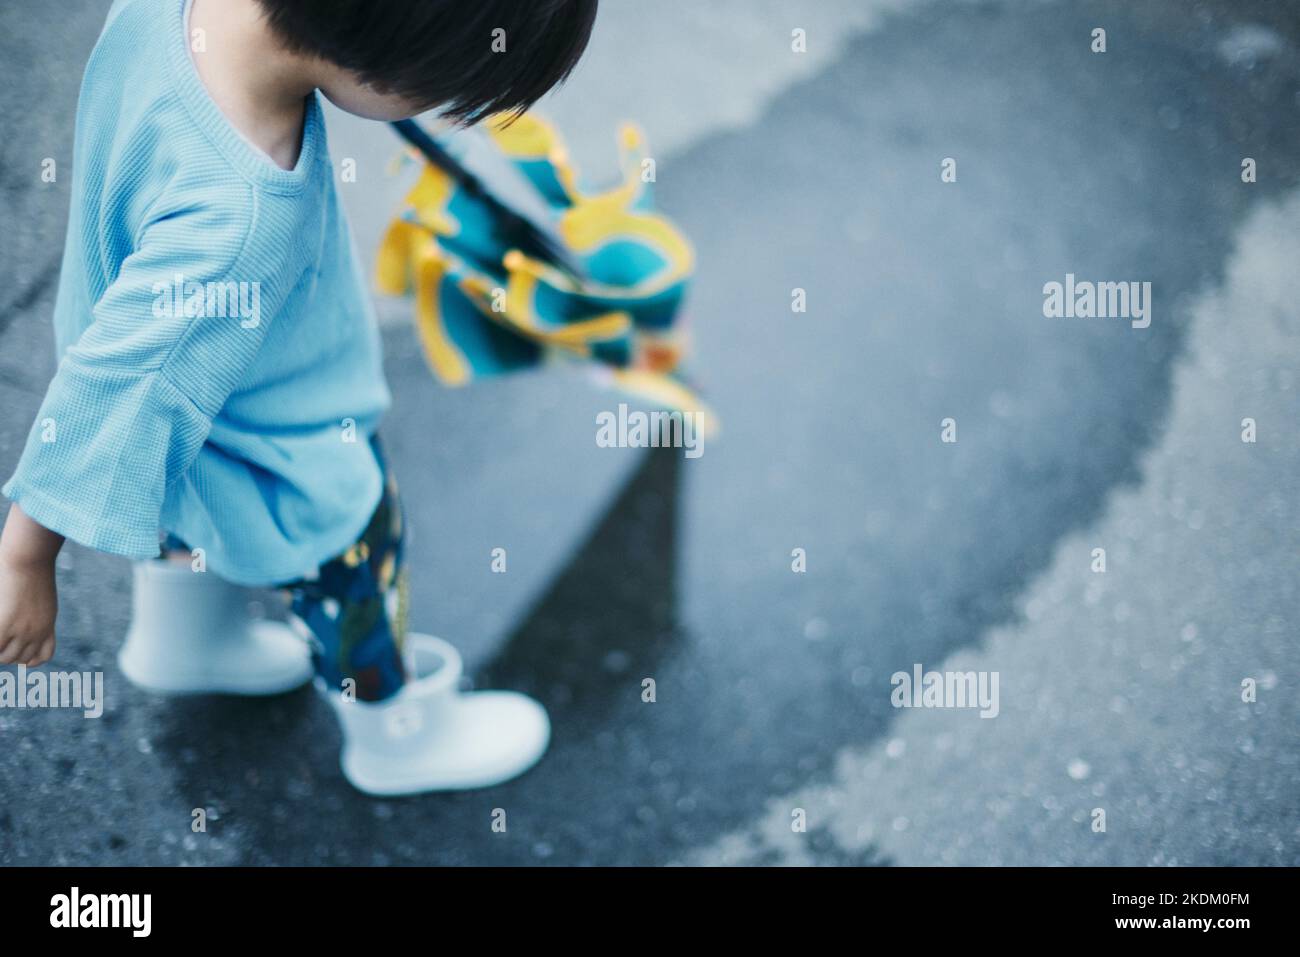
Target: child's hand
point(29, 600)
point(29, 604)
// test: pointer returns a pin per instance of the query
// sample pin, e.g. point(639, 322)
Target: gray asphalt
point(924, 303)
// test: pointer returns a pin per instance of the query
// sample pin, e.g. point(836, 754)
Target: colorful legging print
point(355, 608)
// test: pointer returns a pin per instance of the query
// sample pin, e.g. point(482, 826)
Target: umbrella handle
point(416, 135)
point(537, 241)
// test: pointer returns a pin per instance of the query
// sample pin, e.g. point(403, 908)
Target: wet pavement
point(924, 303)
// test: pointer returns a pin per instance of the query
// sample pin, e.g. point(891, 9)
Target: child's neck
point(259, 86)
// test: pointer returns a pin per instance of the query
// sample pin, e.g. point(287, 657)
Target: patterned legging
point(355, 608)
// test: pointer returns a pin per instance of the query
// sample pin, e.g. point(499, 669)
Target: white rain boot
point(191, 633)
point(431, 736)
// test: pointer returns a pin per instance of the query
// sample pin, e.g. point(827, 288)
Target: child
point(220, 383)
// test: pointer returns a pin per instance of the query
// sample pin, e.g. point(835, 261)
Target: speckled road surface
point(1119, 691)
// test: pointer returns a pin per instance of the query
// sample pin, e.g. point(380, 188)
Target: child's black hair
point(447, 54)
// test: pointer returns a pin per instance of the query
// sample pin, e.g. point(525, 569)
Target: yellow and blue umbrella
point(603, 280)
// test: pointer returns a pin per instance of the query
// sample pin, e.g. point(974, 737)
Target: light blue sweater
point(221, 366)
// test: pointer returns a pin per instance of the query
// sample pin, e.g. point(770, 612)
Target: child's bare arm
point(29, 602)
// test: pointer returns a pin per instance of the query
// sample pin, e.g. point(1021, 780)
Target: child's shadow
point(611, 614)
point(268, 767)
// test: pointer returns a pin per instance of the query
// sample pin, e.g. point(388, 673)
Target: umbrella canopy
point(484, 306)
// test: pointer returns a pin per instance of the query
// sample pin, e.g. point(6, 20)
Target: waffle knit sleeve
point(133, 400)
